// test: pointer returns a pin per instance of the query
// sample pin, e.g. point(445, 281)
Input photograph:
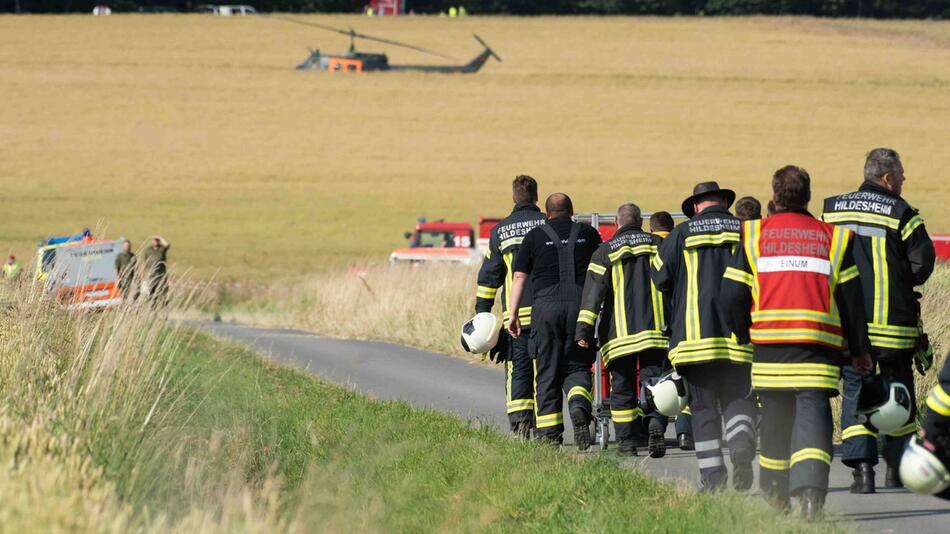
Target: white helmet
point(480, 333)
point(884, 406)
point(921, 471)
point(669, 396)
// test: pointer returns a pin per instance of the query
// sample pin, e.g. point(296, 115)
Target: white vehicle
point(234, 10)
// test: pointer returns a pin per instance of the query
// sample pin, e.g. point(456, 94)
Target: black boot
point(813, 502)
point(627, 448)
point(581, 420)
point(686, 442)
point(863, 478)
point(522, 430)
point(657, 443)
point(776, 494)
point(742, 469)
point(892, 478)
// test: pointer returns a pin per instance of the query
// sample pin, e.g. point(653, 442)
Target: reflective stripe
point(854, 431)
point(596, 269)
point(657, 262)
point(796, 315)
point(753, 229)
point(911, 225)
point(892, 343)
point(638, 342)
point(587, 317)
point(510, 242)
point(795, 335)
point(793, 382)
point(507, 258)
point(659, 317)
point(909, 428)
point(861, 217)
point(625, 416)
point(620, 309)
point(739, 419)
point(939, 401)
point(712, 240)
point(894, 330)
point(547, 421)
point(774, 464)
point(794, 375)
point(709, 463)
point(781, 264)
point(848, 274)
point(747, 428)
point(739, 276)
point(810, 454)
point(638, 250)
point(710, 349)
point(881, 289)
point(579, 390)
point(520, 405)
point(485, 292)
point(692, 295)
point(708, 445)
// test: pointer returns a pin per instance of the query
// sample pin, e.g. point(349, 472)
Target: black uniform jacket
point(620, 290)
point(689, 269)
point(893, 254)
point(495, 273)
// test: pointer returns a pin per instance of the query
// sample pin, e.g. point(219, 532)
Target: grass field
point(119, 423)
point(198, 127)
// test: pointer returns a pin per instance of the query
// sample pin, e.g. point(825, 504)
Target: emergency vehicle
point(80, 273)
point(452, 242)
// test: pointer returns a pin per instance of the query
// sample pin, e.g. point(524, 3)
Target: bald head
point(628, 214)
point(559, 205)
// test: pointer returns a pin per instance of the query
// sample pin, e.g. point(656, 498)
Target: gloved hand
point(923, 354)
point(500, 352)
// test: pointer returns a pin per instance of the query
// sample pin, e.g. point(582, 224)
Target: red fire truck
point(388, 7)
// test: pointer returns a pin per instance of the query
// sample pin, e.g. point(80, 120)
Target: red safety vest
point(796, 262)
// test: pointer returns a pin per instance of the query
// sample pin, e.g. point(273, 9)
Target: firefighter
point(661, 223)
point(748, 209)
point(792, 288)
point(689, 268)
point(925, 465)
point(555, 256)
point(632, 315)
point(125, 265)
point(494, 275)
point(893, 253)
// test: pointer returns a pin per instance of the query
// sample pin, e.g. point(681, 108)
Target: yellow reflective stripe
point(507, 258)
point(909, 428)
point(520, 405)
point(485, 292)
point(625, 416)
point(715, 239)
point(881, 289)
point(774, 464)
point(843, 217)
point(892, 342)
point(547, 421)
point(796, 368)
point(596, 268)
point(587, 317)
point(657, 262)
point(692, 294)
point(762, 335)
point(510, 242)
point(848, 274)
point(939, 401)
point(620, 309)
point(752, 231)
point(854, 431)
point(739, 276)
point(509, 367)
point(686, 411)
point(911, 225)
point(633, 251)
point(810, 454)
point(719, 348)
point(659, 318)
point(894, 330)
point(638, 342)
point(786, 382)
point(796, 315)
point(579, 390)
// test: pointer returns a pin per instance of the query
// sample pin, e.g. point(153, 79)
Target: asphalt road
point(475, 392)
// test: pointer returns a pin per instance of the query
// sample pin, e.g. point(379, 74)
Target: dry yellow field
point(199, 128)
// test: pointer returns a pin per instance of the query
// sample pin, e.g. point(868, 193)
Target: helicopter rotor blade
point(353, 34)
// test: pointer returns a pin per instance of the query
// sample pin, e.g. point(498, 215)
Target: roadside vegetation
point(121, 422)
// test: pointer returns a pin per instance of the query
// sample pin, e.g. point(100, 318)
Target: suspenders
point(567, 283)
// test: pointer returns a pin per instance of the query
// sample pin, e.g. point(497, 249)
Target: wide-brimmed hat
point(706, 188)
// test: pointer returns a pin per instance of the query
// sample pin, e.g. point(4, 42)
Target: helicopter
point(354, 61)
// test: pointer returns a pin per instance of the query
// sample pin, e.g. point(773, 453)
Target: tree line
point(824, 8)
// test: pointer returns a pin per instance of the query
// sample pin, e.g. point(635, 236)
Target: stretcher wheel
point(603, 434)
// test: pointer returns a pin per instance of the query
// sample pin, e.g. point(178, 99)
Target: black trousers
point(797, 428)
point(860, 444)
point(560, 367)
point(519, 382)
point(625, 392)
point(684, 422)
point(721, 398)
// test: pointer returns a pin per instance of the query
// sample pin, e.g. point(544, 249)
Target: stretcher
point(601, 404)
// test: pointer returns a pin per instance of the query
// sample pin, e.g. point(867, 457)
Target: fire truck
point(388, 7)
point(79, 271)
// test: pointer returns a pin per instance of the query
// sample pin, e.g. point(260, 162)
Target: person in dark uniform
point(894, 254)
point(703, 350)
point(555, 257)
point(632, 329)
point(792, 288)
point(125, 267)
point(494, 275)
point(156, 270)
